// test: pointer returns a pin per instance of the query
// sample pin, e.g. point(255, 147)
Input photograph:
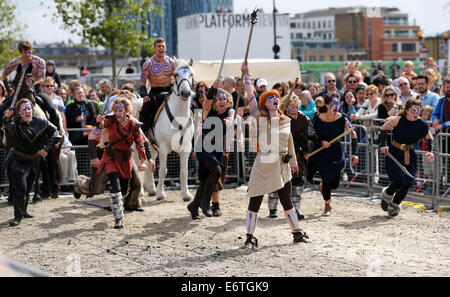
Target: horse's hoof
point(76, 195)
point(187, 199)
point(152, 193)
point(161, 198)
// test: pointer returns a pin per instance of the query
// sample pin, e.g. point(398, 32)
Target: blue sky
point(433, 17)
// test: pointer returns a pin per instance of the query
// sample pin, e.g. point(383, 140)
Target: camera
point(286, 157)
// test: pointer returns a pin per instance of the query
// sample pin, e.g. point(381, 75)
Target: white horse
point(174, 134)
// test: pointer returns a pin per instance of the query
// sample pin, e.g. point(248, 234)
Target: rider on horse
point(25, 59)
point(158, 71)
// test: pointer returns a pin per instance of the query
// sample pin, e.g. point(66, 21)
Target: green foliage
point(116, 24)
point(9, 32)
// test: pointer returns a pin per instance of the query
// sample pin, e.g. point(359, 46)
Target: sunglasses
point(389, 95)
point(331, 80)
point(352, 81)
point(370, 94)
point(401, 85)
point(49, 86)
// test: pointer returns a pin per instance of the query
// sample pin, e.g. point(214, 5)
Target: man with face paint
point(31, 136)
point(157, 72)
point(407, 129)
point(299, 130)
point(117, 160)
point(331, 160)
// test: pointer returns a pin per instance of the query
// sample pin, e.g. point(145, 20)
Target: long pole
point(332, 141)
point(253, 22)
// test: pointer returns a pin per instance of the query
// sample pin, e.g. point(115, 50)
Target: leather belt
point(405, 148)
point(23, 155)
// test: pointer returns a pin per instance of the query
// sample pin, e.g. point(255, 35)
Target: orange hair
point(263, 98)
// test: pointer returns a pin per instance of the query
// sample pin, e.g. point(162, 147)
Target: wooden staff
point(253, 19)
point(331, 142)
point(293, 87)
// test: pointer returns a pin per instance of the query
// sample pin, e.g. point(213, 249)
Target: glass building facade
point(165, 25)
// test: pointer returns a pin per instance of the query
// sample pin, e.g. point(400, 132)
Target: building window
point(292, 36)
point(341, 58)
point(299, 35)
point(309, 25)
point(322, 58)
point(312, 58)
point(314, 25)
point(331, 58)
point(292, 25)
point(324, 24)
point(318, 25)
point(395, 47)
point(409, 47)
point(329, 24)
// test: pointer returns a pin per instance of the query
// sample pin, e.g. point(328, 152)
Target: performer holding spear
point(272, 168)
point(328, 157)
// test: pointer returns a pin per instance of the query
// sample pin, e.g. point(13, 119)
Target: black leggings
point(284, 194)
point(400, 191)
point(118, 184)
point(327, 187)
point(21, 177)
point(214, 170)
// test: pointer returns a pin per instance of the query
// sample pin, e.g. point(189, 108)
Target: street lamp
point(276, 47)
point(420, 36)
point(446, 53)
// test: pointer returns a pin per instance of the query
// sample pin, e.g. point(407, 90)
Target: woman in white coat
point(274, 162)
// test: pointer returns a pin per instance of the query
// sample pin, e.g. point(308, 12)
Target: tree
point(10, 30)
point(116, 24)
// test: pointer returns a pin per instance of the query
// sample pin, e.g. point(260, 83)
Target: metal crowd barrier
point(432, 180)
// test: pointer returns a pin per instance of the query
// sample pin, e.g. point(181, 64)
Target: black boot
point(195, 204)
point(14, 222)
point(210, 185)
point(251, 242)
point(300, 236)
point(216, 209)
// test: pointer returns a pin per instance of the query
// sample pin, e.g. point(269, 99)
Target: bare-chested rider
point(26, 57)
point(157, 71)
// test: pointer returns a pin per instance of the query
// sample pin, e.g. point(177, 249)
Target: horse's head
point(184, 78)
point(28, 81)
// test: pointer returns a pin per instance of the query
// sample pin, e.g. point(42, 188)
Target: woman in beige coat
point(274, 162)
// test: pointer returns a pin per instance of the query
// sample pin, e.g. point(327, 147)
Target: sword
point(224, 53)
point(19, 86)
point(403, 168)
point(108, 208)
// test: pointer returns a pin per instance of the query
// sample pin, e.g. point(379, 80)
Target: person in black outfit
point(51, 71)
point(31, 136)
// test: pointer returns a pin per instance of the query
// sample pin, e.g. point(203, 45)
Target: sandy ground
point(67, 237)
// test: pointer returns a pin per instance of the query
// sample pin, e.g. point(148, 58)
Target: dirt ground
point(69, 238)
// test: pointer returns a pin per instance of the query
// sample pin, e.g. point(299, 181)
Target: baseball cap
point(261, 82)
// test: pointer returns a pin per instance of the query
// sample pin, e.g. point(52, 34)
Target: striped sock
point(251, 221)
point(291, 217)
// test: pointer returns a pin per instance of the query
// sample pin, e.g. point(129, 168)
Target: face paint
point(119, 110)
point(274, 100)
point(26, 112)
point(292, 110)
point(415, 111)
point(334, 105)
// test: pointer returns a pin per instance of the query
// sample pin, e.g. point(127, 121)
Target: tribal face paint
point(119, 110)
point(415, 111)
point(292, 110)
point(26, 112)
point(273, 101)
point(334, 106)
point(221, 101)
